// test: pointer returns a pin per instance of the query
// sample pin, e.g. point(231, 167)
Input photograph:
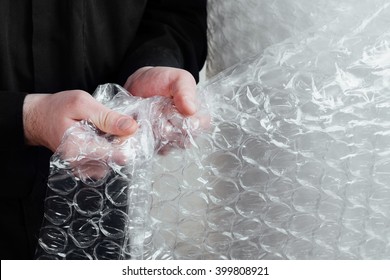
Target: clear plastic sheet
point(99, 186)
point(295, 163)
point(239, 29)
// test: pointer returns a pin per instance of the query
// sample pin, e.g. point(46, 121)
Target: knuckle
point(106, 119)
point(77, 98)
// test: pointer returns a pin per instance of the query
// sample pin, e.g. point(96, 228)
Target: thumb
point(113, 122)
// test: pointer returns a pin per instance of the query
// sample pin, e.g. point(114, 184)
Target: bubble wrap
point(240, 29)
point(99, 186)
point(294, 165)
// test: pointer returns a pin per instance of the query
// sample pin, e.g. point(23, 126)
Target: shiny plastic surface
point(295, 163)
point(99, 186)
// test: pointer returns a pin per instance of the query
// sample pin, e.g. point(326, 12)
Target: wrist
point(31, 125)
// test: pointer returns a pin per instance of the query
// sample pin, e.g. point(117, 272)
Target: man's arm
point(172, 33)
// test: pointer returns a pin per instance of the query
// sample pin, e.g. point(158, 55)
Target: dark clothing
point(48, 46)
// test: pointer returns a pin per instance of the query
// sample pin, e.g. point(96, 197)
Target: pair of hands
point(46, 117)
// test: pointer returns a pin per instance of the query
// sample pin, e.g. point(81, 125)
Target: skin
point(46, 117)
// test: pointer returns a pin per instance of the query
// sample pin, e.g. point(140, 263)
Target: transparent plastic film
point(99, 186)
point(239, 29)
point(294, 163)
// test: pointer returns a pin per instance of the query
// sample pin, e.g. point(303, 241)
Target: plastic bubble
point(164, 213)
point(244, 229)
point(250, 97)
point(93, 173)
point(281, 162)
point(193, 176)
point(194, 204)
point(221, 219)
point(326, 235)
point(298, 249)
point(273, 241)
point(223, 191)
point(57, 210)
point(218, 242)
point(227, 135)
point(83, 232)
point(88, 201)
point(192, 230)
point(62, 182)
point(254, 151)
point(117, 191)
point(251, 204)
point(113, 223)
point(107, 250)
point(187, 251)
point(306, 199)
point(78, 254)
point(277, 214)
point(303, 225)
point(224, 164)
point(166, 187)
point(53, 239)
point(245, 250)
point(330, 209)
point(254, 178)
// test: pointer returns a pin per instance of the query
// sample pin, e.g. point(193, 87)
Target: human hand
point(179, 85)
point(175, 83)
point(46, 117)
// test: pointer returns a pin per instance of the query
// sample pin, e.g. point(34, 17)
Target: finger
point(184, 94)
point(201, 121)
point(111, 122)
point(171, 82)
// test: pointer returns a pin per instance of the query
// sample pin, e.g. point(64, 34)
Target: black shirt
point(48, 46)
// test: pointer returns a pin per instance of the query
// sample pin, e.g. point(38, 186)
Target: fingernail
point(125, 124)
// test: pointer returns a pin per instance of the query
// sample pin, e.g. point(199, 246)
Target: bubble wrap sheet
point(295, 163)
point(99, 186)
point(239, 29)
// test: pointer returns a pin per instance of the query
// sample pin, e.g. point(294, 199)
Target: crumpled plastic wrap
point(99, 186)
point(294, 165)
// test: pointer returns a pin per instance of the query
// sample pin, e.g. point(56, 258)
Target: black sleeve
point(11, 119)
point(17, 172)
point(172, 33)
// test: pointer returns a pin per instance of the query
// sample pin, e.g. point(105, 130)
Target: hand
point(46, 117)
point(171, 82)
point(179, 85)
